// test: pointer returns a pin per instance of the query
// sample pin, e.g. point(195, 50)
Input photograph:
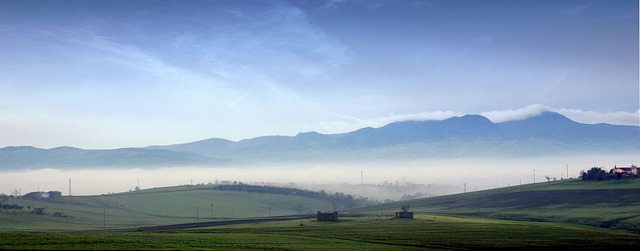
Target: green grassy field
point(607, 204)
point(366, 233)
point(169, 205)
point(562, 214)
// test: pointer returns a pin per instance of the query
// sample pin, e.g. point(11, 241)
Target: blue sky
point(109, 74)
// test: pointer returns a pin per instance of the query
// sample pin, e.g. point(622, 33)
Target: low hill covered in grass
point(607, 204)
point(168, 205)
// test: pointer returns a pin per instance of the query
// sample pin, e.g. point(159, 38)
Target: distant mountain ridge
point(466, 136)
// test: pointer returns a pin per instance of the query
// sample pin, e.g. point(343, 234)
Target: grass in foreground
point(368, 233)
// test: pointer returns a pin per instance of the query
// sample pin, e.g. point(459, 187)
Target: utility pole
point(465, 188)
point(104, 217)
point(211, 210)
point(69, 187)
point(197, 215)
point(534, 176)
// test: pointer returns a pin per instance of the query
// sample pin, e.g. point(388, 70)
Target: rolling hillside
point(161, 206)
point(567, 214)
point(604, 204)
point(607, 204)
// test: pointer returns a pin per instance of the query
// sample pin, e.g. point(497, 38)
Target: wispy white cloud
point(578, 115)
point(422, 116)
point(340, 123)
point(518, 114)
point(176, 72)
point(348, 123)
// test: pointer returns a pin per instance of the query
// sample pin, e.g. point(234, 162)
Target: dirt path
point(228, 222)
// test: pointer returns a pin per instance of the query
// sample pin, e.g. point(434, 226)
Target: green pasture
point(607, 204)
point(153, 207)
point(567, 214)
point(427, 231)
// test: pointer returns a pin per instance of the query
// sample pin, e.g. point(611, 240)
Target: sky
point(111, 74)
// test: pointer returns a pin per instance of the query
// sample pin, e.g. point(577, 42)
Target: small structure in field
point(39, 210)
point(60, 214)
point(37, 195)
point(55, 194)
point(327, 216)
point(404, 214)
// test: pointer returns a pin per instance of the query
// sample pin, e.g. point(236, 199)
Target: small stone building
point(55, 194)
point(327, 216)
point(404, 214)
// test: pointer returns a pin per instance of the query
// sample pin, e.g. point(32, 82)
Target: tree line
point(598, 173)
point(338, 200)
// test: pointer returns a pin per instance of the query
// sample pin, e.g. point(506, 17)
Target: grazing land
point(157, 206)
point(562, 214)
point(366, 233)
point(608, 204)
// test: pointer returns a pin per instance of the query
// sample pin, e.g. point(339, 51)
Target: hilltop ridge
point(549, 133)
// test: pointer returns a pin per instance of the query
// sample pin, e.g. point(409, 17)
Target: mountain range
point(467, 136)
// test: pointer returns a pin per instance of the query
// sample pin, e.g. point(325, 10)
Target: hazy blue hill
point(469, 127)
point(465, 127)
point(208, 147)
point(68, 157)
point(467, 136)
point(556, 127)
point(545, 126)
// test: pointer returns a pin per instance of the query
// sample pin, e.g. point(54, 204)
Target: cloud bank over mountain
point(108, 74)
point(587, 117)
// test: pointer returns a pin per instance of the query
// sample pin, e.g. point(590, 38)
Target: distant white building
point(37, 195)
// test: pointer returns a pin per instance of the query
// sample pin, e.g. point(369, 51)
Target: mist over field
point(379, 180)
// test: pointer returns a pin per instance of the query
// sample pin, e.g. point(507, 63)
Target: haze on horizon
point(361, 178)
point(110, 74)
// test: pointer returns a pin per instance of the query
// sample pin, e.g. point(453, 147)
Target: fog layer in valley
point(379, 181)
